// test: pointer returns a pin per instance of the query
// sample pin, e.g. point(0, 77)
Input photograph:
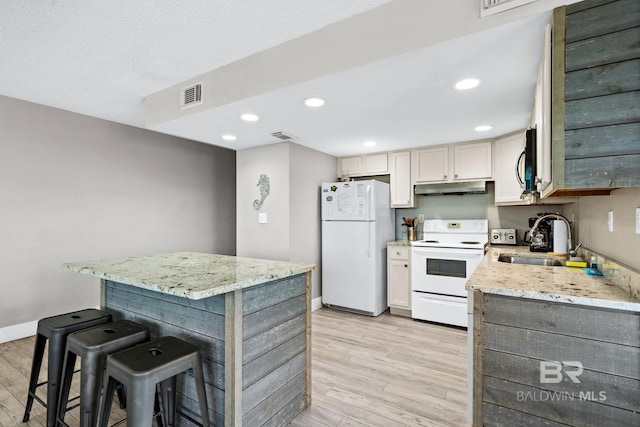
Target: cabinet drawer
point(398, 252)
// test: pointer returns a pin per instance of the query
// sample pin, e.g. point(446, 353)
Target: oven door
point(443, 271)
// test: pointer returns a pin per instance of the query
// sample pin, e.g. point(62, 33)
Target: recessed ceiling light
point(467, 84)
point(484, 128)
point(369, 143)
point(229, 137)
point(250, 117)
point(314, 102)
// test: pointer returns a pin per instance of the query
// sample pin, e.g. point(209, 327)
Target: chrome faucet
point(571, 251)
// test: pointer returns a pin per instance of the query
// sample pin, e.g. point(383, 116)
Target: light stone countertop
point(399, 243)
point(558, 284)
point(189, 274)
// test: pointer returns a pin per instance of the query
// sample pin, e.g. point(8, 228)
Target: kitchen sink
point(530, 260)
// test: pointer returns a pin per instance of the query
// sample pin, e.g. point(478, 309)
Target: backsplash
point(471, 206)
point(619, 275)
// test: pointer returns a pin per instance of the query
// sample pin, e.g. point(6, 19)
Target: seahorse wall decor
point(265, 189)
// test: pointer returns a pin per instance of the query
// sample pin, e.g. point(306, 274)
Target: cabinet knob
point(406, 265)
point(444, 177)
point(397, 253)
point(455, 176)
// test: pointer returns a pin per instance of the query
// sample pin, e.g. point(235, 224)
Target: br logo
point(554, 372)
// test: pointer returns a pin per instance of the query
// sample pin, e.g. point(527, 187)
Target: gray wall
point(293, 206)
point(623, 244)
point(74, 188)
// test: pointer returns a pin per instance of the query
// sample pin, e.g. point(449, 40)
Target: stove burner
point(470, 243)
point(430, 241)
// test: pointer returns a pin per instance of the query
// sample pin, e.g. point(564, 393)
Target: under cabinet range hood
point(474, 187)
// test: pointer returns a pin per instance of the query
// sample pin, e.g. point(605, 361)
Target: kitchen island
point(250, 318)
point(553, 345)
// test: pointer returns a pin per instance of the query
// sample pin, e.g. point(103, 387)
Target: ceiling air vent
point(191, 96)
point(283, 136)
point(490, 7)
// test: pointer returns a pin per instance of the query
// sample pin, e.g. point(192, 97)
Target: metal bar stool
point(141, 368)
point(56, 329)
point(92, 346)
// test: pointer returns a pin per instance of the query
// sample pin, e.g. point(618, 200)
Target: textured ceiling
point(101, 58)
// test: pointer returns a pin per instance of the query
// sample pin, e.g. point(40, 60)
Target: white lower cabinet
point(399, 279)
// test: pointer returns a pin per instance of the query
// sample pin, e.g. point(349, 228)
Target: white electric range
point(441, 264)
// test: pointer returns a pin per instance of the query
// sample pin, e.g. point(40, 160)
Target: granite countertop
point(189, 274)
point(559, 284)
point(399, 243)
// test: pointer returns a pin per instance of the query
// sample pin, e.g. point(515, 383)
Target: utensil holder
point(411, 233)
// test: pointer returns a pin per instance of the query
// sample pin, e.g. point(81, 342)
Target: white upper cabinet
point(506, 154)
point(363, 165)
point(472, 161)
point(456, 162)
point(431, 164)
point(402, 195)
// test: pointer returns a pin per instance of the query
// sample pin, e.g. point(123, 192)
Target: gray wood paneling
point(605, 141)
point(621, 15)
point(276, 379)
point(519, 334)
point(617, 171)
point(613, 47)
point(603, 110)
point(275, 351)
point(264, 364)
point(261, 344)
point(577, 7)
point(267, 318)
point(273, 293)
point(499, 416)
point(155, 311)
point(565, 319)
point(596, 355)
point(279, 385)
point(558, 407)
point(619, 391)
point(603, 80)
point(282, 418)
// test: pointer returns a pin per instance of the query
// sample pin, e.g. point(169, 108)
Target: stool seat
point(93, 345)
point(141, 368)
point(56, 329)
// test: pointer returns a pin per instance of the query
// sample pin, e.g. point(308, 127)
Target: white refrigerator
point(357, 223)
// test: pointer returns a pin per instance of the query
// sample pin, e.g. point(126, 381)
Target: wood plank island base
point(250, 318)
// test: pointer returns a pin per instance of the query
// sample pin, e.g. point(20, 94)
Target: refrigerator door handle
point(369, 239)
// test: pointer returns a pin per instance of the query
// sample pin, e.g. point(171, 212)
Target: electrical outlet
point(610, 221)
point(262, 218)
point(421, 217)
point(637, 220)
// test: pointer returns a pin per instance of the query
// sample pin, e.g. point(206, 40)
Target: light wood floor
point(385, 371)
point(382, 372)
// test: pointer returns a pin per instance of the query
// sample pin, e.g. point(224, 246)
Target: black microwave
point(526, 165)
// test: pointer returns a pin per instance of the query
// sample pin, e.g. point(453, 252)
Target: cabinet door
point(376, 164)
point(400, 180)
point(472, 161)
point(350, 166)
point(431, 164)
point(398, 286)
point(507, 152)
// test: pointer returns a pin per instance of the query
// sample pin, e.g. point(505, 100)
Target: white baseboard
point(316, 304)
point(16, 332)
